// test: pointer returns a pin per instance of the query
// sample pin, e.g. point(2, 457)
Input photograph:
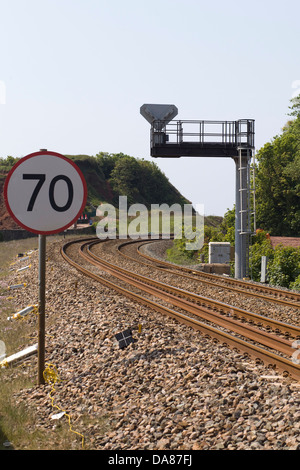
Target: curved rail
point(267, 339)
point(201, 301)
point(292, 299)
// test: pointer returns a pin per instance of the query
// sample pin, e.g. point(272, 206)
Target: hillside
point(6, 222)
point(108, 176)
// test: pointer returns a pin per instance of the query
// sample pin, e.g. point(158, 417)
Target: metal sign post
point(45, 193)
point(42, 309)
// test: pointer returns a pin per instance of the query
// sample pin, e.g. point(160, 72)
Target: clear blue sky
point(77, 71)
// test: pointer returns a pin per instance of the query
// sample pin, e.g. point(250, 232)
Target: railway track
point(272, 294)
point(262, 338)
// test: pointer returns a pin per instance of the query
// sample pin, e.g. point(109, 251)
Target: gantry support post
point(242, 213)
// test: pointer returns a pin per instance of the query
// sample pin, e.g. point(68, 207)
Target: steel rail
point(252, 350)
point(265, 338)
point(207, 313)
point(208, 303)
point(211, 279)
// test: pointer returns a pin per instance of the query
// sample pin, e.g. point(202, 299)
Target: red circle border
point(55, 154)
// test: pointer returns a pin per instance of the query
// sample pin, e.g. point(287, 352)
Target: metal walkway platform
point(174, 139)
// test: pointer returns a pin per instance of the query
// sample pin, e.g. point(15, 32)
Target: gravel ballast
point(172, 388)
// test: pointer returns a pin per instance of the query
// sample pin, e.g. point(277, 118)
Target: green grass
point(13, 420)
point(10, 250)
point(18, 423)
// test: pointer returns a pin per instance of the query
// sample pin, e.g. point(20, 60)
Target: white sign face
point(45, 192)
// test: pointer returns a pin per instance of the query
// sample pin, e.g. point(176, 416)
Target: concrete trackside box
point(219, 252)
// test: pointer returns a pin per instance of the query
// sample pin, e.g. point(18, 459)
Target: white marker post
point(44, 193)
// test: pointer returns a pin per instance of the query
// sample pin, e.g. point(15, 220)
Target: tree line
point(140, 180)
point(278, 179)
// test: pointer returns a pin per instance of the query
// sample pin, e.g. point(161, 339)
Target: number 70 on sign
point(45, 192)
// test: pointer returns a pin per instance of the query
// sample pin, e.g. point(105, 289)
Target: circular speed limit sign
point(45, 192)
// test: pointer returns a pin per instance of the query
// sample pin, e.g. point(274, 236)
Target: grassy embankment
point(18, 426)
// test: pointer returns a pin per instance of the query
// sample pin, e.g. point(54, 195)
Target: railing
point(233, 133)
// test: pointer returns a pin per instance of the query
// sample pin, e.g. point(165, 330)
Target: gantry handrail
point(234, 133)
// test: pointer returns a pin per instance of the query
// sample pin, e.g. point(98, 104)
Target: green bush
point(261, 246)
point(284, 269)
point(296, 285)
